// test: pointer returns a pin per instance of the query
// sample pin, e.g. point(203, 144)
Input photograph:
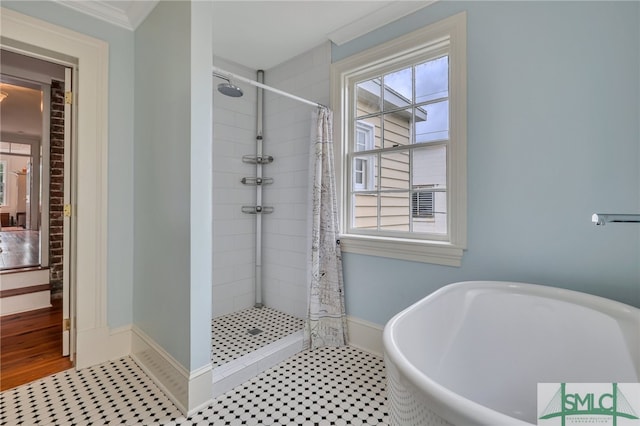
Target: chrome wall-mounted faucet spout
point(603, 218)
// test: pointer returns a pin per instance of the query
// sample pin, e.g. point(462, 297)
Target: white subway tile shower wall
point(287, 133)
point(234, 134)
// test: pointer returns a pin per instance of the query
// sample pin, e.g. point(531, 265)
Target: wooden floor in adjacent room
point(19, 248)
point(31, 346)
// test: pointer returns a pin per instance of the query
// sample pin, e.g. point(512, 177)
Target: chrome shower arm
point(224, 77)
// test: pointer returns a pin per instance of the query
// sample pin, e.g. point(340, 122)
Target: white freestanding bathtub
point(472, 353)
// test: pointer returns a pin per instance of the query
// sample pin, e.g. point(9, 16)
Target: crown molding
point(386, 14)
point(135, 13)
point(139, 10)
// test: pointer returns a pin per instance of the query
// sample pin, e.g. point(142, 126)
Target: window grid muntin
point(379, 192)
point(381, 112)
point(3, 181)
point(391, 111)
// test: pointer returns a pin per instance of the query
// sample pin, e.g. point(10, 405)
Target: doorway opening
point(32, 197)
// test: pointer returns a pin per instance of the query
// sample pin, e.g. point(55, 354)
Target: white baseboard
point(98, 345)
point(365, 335)
point(189, 391)
point(120, 342)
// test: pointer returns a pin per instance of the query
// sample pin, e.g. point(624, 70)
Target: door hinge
point(68, 98)
point(66, 324)
point(67, 210)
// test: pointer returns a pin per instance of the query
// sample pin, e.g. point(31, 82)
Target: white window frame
point(448, 36)
point(360, 172)
point(3, 182)
point(369, 132)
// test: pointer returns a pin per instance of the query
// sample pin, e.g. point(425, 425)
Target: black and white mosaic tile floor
point(230, 337)
point(118, 392)
point(329, 386)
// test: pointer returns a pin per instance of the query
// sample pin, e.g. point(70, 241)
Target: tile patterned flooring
point(230, 337)
point(328, 386)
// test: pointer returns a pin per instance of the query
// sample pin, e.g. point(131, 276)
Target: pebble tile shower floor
point(230, 337)
point(328, 386)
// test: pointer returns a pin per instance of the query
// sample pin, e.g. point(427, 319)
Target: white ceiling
point(256, 34)
point(262, 34)
point(20, 111)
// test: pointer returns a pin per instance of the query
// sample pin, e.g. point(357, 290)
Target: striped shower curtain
point(326, 323)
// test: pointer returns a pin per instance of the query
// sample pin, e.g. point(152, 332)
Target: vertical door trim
point(45, 182)
point(88, 264)
point(68, 321)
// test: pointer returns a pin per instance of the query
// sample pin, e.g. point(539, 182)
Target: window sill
point(403, 249)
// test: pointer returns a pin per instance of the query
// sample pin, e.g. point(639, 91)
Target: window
point(3, 183)
point(363, 166)
point(402, 162)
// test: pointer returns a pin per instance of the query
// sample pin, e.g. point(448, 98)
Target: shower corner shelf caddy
point(255, 159)
point(257, 181)
point(257, 209)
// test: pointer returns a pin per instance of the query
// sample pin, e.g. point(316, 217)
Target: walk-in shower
point(246, 338)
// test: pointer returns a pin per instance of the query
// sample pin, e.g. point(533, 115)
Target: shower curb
point(238, 371)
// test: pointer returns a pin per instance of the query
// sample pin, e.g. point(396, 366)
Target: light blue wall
point(201, 173)
point(553, 136)
point(161, 178)
point(172, 180)
point(120, 195)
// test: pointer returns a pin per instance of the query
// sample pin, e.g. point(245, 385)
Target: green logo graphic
point(564, 405)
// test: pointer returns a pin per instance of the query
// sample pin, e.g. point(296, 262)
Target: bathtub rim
point(455, 408)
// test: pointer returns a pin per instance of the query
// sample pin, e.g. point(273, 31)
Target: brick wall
point(56, 188)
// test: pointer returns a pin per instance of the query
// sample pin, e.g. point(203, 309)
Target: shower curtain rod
point(232, 76)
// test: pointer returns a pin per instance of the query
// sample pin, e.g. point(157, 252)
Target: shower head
point(229, 89)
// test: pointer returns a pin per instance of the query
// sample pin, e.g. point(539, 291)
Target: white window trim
point(364, 171)
point(3, 181)
point(453, 31)
point(368, 175)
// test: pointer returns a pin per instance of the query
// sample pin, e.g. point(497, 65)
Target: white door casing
point(45, 162)
point(87, 266)
point(68, 321)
